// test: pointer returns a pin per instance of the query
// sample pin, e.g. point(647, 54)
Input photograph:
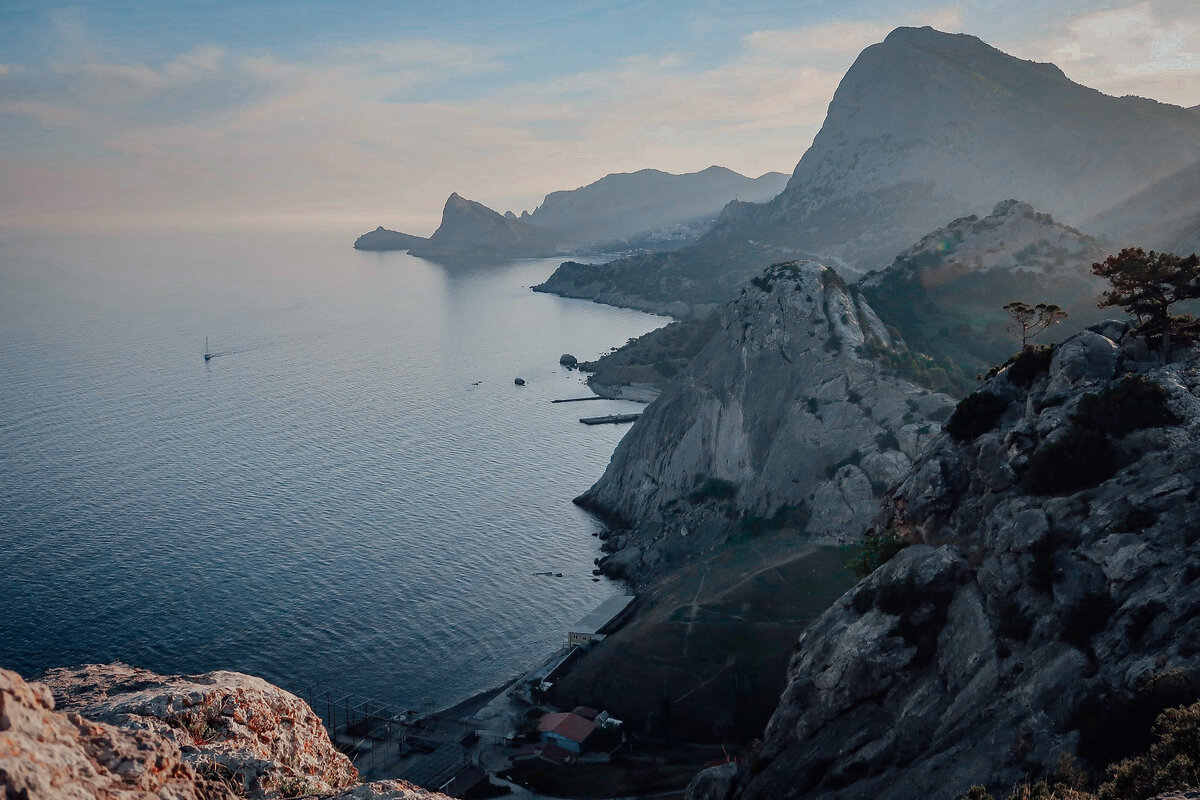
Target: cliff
point(1049, 602)
point(778, 420)
point(119, 732)
point(471, 230)
point(924, 127)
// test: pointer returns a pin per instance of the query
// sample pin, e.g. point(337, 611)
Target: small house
point(569, 731)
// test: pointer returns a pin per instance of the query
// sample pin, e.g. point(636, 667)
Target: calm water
point(351, 493)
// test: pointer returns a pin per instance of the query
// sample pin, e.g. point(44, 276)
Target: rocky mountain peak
point(782, 416)
point(1047, 603)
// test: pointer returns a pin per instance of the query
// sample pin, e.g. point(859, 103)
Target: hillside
point(778, 422)
point(945, 294)
point(924, 127)
point(1164, 216)
point(1047, 604)
point(625, 206)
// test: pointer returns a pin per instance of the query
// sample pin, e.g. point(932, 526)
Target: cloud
point(1146, 48)
point(365, 134)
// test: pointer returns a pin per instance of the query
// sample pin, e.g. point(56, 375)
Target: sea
point(352, 494)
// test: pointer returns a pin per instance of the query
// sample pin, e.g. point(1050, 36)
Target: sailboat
point(207, 354)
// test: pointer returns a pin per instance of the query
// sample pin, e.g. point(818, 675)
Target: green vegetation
point(878, 548)
point(1166, 757)
point(786, 516)
point(785, 270)
point(1134, 403)
point(975, 415)
point(1085, 455)
point(916, 367)
point(1146, 285)
point(1080, 459)
point(1029, 321)
point(1026, 366)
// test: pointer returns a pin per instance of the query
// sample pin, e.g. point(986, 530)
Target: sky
point(348, 115)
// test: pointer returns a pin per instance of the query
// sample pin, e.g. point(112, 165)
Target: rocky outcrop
point(115, 731)
point(924, 127)
point(1049, 603)
point(779, 420)
point(471, 230)
point(383, 239)
point(945, 293)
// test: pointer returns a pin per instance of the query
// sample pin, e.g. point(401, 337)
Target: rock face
point(924, 127)
point(945, 293)
point(383, 239)
point(124, 732)
point(777, 419)
point(471, 230)
point(1050, 602)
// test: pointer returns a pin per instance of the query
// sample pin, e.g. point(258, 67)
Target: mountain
point(626, 206)
point(1048, 603)
point(471, 230)
point(1164, 216)
point(383, 239)
point(945, 294)
point(924, 127)
point(647, 208)
point(730, 495)
point(778, 421)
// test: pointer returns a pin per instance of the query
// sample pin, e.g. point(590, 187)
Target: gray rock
point(989, 639)
point(777, 412)
point(569, 361)
point(1087, 356)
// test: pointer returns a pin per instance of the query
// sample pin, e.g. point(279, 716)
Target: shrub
point(975, 415)
point(1136, 402)
point(1087, 617)
point(855, 458)
point(1028, 365)
point(1172, 762)
point(878, 549)
point(1082, 458)
point(886, 440)
point(713, 489)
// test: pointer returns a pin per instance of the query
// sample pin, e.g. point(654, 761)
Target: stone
point(988, 637)
point(778, 409)
point(569, 361)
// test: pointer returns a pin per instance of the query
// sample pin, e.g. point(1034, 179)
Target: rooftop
point(568, 725)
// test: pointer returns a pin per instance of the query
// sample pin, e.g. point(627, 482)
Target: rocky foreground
point(114, 731)
point(1049, 602)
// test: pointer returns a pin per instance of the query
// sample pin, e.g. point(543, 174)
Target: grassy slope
point(704, 659)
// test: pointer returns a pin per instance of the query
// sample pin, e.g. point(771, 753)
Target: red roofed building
point(567, 730)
